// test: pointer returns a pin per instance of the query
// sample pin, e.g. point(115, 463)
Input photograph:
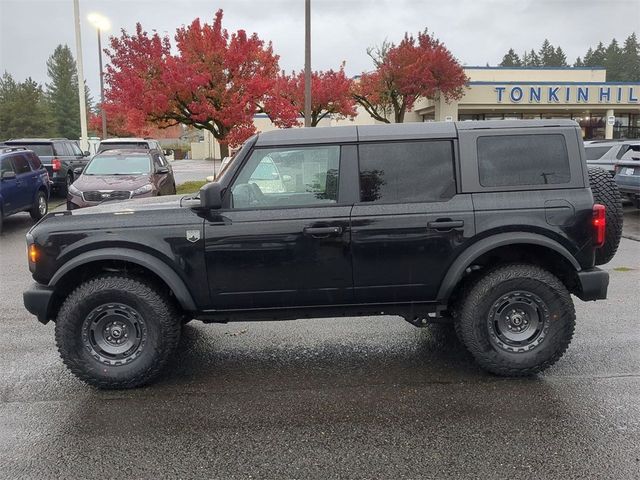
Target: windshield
point(118, 165)
point(122, 145)
point(40, 149)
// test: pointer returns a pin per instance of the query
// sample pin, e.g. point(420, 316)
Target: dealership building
point(603, 109)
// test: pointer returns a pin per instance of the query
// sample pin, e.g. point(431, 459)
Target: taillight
point(56, 164)
point(599, 225)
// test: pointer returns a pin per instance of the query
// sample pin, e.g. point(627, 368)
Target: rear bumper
point(593, 284)
point(37, 300)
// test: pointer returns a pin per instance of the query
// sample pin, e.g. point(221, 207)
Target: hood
point(124, 207)
point(86, 183)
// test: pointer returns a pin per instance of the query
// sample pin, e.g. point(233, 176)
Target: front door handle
point(322, 232)
point(445, 224)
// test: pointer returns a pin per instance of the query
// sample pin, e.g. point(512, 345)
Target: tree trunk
point(224, 150)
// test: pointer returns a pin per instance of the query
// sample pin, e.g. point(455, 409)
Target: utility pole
point(103, 113)
point(84, 140)
point(307, 63)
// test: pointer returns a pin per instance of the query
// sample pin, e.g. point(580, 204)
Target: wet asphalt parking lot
point(333, 398)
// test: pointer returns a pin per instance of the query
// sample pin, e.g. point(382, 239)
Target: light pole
point(84, 140)
point(307, 63)
point(101, 23)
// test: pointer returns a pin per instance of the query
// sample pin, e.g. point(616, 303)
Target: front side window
point(398, 172)
point(515, 160)
point(75, 149)
point(285, 177)
point(118, 165)
point(6, 165)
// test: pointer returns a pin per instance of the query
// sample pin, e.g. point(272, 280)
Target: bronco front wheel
point(516, 320)
point(116, 332)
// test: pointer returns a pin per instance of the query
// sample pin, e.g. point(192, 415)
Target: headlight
point(74, 191)
point(143, 189)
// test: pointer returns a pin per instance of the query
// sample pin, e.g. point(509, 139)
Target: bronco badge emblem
point(193, 235)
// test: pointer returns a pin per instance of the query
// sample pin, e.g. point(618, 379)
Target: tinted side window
point(523, 160)
point(417, 171)
point(35, 162)
point(61, 149)
point(75, 150)
point(20, 164)
point(594, 153)
point(6, 165)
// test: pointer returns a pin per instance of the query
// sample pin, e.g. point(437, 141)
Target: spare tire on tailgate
point(605, 192)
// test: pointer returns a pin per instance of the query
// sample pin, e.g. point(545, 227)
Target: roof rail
point(7, 149)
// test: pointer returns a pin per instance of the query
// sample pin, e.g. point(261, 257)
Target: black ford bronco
point(491, 226)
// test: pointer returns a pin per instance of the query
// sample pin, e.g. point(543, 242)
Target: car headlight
point(74, 191)
point(143, 189)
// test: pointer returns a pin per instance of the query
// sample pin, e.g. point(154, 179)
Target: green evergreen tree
point(560, 59)
point(578, 62)
point(531, 59)
point(24, 111)
point(631, 59)
point(547, 54)
point(62, 92)
point(597, 57)
point(511, 59)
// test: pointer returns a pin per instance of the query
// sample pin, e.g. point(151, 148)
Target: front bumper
point(593, 284)
point(37, 300)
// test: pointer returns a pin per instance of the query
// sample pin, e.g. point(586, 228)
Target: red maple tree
point(215, 81)
point(330, 94)
point(416, 67)
point(122, 121)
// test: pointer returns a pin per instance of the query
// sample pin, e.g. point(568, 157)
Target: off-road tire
point(605, 191)
point(161, 326)
point(35, 212)
point(473, 325)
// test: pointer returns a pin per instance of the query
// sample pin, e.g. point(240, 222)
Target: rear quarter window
point(517, 160)
point(595, 153)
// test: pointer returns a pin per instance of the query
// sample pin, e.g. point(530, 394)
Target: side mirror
point(86, 153)
point(162, 170)
point(167, 152)
point(287, 178)
point(211, 196)
point(78, 171)
point(8, 175)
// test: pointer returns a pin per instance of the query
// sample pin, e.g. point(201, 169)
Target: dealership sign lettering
point(567, 94)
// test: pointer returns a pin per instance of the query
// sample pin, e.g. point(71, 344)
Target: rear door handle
point(445, 224)
point(320, 232)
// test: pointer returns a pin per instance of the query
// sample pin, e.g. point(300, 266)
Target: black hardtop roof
point(394, 131)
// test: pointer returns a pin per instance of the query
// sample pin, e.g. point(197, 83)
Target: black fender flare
point(145, 260)
point(467, 257)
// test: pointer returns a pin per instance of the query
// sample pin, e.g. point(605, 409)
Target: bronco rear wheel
point(516, 320)
point(605, 192)
point(116, 332)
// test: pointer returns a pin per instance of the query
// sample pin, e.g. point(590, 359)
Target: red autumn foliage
point(121, 122)
point(414, 68)
point(215, 81)
point(330, 94)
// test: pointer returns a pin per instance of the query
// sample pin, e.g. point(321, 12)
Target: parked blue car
point(24, 184)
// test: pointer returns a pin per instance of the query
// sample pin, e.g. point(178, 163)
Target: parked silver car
point(606, 153)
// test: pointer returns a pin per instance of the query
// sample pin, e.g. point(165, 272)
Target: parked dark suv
point(490, 226)
point(24, 184)
point(60, 157)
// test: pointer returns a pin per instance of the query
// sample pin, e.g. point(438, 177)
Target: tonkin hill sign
point(570, 94)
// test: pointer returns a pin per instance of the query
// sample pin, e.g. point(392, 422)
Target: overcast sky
point(476, 31)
